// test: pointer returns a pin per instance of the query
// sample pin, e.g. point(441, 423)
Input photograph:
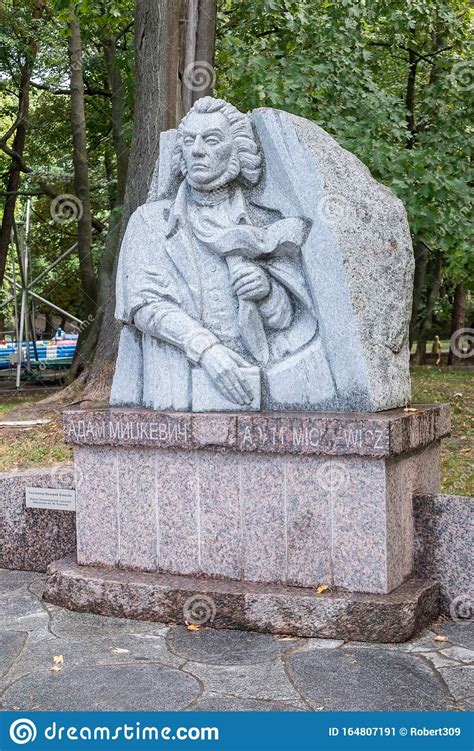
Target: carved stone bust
point(215, 283)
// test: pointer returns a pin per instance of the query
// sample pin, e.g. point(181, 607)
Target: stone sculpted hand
point(222, 365)
point(250, 282)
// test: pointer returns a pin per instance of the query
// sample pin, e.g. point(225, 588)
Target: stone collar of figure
point(178, 211)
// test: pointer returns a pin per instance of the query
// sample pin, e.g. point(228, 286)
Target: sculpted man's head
point(215, 144)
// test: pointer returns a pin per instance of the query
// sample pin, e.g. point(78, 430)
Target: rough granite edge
point(241, 605)
point(378, 434)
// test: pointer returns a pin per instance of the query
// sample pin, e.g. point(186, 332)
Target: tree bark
point(13, 182)
point(457, 318)
point(81, 171)
point(156, 71)
point(435, 268)
point(197, 43)
point(410, 98)
point(421, 262)
point(157, 108)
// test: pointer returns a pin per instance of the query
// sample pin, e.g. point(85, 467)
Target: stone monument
point(268, 270)
point(258, 458)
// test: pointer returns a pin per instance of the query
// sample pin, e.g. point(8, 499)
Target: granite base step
point(270, 608)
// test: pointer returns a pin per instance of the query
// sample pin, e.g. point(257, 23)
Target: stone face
point(443, 549)
point(32, 538)
point(243, 605)
point(272, 250)
point(298, 499)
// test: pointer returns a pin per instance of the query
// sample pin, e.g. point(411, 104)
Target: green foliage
point(345, 64)
point(342, 63)
point(49, 139)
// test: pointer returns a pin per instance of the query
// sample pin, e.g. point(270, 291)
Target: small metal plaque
point(53, 499)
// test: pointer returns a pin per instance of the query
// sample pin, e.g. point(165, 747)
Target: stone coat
point(176, 300)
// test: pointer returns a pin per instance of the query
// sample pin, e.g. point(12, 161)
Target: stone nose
point(198, 146)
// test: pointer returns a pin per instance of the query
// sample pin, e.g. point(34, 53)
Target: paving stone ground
point(118, 664)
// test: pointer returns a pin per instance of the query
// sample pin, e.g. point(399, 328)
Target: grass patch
point(456, 387)
point(43, 445)
point(36, 446)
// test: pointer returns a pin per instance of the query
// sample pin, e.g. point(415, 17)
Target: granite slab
point(443, 550)
point(377, 434)
point(30, 538)
point(229, 604)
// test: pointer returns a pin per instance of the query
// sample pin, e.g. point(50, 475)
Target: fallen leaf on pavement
point(438, 637)
point(58, 659)
point(192, 627)
point(322, 588)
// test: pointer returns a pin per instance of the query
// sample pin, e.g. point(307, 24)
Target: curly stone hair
point(245, 160)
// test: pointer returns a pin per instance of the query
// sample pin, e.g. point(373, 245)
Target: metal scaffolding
point(20, 255)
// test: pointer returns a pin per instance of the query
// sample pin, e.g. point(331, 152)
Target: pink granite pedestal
point(278, 499)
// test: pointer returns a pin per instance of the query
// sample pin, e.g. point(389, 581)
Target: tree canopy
point(389, 80)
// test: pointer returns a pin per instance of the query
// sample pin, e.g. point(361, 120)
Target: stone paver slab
point(225, 647)
point(104, 688)
point(95, 651)
point(367, 680)
point(68, 624)
point(215, 703)
point(460, 680)
point(266, 681)
point(11, 644)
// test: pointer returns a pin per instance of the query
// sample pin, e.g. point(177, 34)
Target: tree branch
point(46, 188)
point(10, 131)
point(88, 90)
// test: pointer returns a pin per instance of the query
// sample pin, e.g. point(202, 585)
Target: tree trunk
point(157, 108)
point(118, 111)
point(81, 171)
point(90, 333)
point(18, 146)
point(197, 42)
point(435, 268)
point(457, 319)
point(410, 98)
point(421, 262)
